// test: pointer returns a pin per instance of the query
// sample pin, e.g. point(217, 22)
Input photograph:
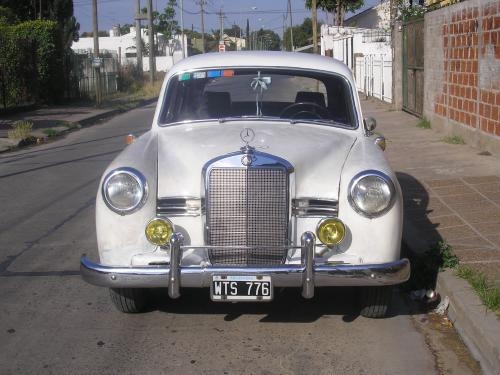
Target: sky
point(266, 14)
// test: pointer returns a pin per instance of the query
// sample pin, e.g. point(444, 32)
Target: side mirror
point(370, 124)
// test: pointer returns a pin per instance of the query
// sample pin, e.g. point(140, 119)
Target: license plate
point(241, 288)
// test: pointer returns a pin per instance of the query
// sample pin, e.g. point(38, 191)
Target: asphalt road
point(51, 322)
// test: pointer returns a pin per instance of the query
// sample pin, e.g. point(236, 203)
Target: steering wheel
point(305, 110)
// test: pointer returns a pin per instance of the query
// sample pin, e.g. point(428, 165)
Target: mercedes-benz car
point(259, 173)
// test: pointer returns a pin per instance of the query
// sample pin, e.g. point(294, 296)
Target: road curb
point(478, 327)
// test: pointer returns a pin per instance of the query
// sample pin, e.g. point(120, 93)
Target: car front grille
point(247, 215)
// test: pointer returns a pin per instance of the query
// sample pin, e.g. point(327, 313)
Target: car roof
point(271, 59)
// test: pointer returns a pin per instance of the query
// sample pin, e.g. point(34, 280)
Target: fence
point(86, 75)
point(374, 76)
point(367, 52)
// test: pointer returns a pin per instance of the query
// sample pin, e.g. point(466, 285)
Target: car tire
point(128, 300)
point(375, 301)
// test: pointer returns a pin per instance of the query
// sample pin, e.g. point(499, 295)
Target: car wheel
point(128, 300)
point(375, 301)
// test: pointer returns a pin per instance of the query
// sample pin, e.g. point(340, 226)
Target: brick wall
point(462, 71)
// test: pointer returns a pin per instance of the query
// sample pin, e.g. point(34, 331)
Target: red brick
point(473, 120)
point(475, 12)
point(497, 130)
point(494, 113)
point(494, 37)
point(487, 111)
point(481, 109)
point(491, 98)
point(474, 66)
point(484, 96)
point(486, 37)
point(496, 22)
point(491, 127)
point(497, 100)
point(497, 52)
point(474, 93)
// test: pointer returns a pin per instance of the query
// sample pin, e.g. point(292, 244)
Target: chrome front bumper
point(306, 275)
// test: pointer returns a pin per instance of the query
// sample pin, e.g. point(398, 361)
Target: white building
point(124, 46)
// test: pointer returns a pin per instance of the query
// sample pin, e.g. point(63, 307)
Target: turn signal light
point(159, 231)
point(330, 231)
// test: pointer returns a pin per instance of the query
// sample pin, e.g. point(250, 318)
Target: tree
point(265, 39)
point(339, 7)
point(302, 35)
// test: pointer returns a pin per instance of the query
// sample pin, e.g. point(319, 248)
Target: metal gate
point(413, 66)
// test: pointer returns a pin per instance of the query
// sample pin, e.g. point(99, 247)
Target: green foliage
point(486, 290)
point(265, 39)
point(408, 12)
point(32, 53)
point(339, 7)
point(51, 133)
point(20, 130)
point(454, 140)
point(302, 35)
point(424, 124)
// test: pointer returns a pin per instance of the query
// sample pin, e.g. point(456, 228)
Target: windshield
point(286, 94)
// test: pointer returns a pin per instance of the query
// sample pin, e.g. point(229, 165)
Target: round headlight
point(124, 190)
point(330, 231)
point(159, 231)
point(371, 193)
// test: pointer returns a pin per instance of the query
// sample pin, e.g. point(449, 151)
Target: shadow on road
point(287, 306)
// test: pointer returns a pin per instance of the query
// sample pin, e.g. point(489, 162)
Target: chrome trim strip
point(179, 206)
point(315, 207)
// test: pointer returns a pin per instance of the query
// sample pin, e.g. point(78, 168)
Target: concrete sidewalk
point(451, 194)
point(63, 118)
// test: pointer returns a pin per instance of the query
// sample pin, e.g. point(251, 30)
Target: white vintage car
point(258, 173)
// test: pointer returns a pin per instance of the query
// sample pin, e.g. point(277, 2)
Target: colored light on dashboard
point(213, 73)
point(199, 75)
point(184, 77)
point(228, 73)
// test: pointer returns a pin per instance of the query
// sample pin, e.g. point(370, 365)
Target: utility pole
point(291, 25)
point(221, 20)
point(138, 35)
point(151, 43)
point(182, 29)
point(315, 26)
point(96, 62)
point(202, 2)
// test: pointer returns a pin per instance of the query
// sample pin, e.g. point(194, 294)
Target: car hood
point(317, 154)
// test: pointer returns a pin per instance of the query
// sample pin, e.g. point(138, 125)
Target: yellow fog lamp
point(330, 231)
point(159, 231)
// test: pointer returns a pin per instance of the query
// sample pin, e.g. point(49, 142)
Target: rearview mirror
point(370, 124)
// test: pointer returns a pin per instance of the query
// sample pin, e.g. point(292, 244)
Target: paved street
point(51, 322)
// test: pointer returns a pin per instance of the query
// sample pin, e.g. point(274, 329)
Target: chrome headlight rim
point(371, 173)
point(141, 181)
